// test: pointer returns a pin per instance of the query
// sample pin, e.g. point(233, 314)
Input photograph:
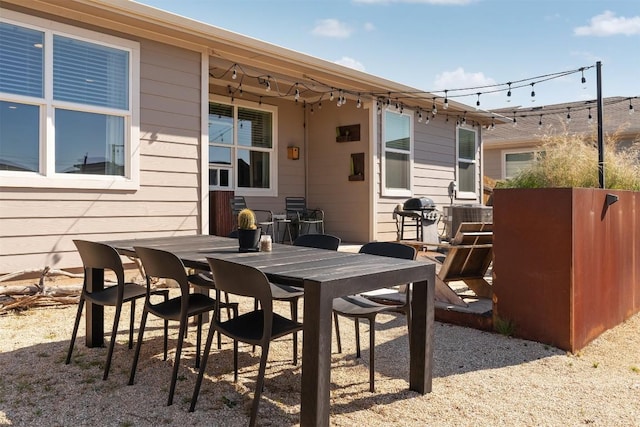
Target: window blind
point(21, 60)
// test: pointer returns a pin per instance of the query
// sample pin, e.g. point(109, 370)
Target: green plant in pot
point(248, 232)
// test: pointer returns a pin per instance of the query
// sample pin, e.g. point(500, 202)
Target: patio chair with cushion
point(100, 256)
point(257, 327)
point(165, 265)
point(296, 210)
point(359, 307)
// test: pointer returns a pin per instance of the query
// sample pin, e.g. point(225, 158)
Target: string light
point(568, 115)
point(297, 95)
point(331, 96)
point(419, 116)
point(234, 75)
point(426, 120)
point(583, 80)
point(533, 93)
point(590, 119)
point(540, 122)
point(446, 100)
point(359, 103)
point(515, 121)
point(434, 109)
point(478, 101)
point(631, 110)
point(509, 93)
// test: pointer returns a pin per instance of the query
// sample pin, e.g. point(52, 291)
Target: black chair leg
point(259, 385)
point(198, 341)
point(294, 317)
point(203, 367)
point(357, 322)
point(134, 365)
point(235, 361)
point(176, 362)
point(75, 329)
point(372, 346)
point(112, 342)
point(131, 318)
point(337, 325)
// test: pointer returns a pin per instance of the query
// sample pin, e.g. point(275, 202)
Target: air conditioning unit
point(455, 214)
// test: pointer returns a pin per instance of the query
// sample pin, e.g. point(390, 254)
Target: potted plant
point(248, 232)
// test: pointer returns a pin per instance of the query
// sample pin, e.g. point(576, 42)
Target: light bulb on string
point(583, 80)
point(420, 116)
point(540, 122)
point(590, 120)
point(631, 110)
point(446, 100)
point(533, 93)
point(240, 89)
point(359, 103)
point(331, 96)
point(234, 75)
point(268, 88)
point(568, 115)
point(509, 93)
point(493, 123)
point(426, 120)
point(297, 95)
point(478, 101)
point(320, 105)
point(515, 120)
point(434, 109)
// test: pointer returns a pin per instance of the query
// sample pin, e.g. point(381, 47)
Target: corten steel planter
point(566, 262)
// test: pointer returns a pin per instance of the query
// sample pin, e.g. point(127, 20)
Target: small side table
point(279, 219)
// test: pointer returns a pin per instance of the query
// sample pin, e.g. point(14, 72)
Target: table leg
point(316, 356)
point(94, 314)
point(421, 342)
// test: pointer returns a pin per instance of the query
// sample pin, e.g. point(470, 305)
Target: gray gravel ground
point(480, 379)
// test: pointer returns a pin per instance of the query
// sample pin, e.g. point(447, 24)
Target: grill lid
point(418, 204)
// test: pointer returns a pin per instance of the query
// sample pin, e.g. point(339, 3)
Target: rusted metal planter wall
point(566, 266)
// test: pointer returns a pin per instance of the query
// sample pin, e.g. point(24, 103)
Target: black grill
point(418, 204)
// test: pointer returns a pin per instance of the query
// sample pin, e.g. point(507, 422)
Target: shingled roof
point(535, 122)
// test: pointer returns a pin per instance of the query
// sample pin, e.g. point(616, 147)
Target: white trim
point(205, 226)
point(397, 192)
point(372, 170)
point(503, 157)
point(273, 167)
point(47, 177)
point(467, 195)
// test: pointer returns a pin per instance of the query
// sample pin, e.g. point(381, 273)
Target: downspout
point(305, 153)
point(374, 140)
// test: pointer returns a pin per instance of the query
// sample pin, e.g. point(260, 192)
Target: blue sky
point(450, 44)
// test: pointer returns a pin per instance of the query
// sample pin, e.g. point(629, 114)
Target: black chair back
point(99, 255)
point(389, 249)
point(319, 241)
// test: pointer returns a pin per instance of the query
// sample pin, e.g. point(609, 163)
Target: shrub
point(572, 161)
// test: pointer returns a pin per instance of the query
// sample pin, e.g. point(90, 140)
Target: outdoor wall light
point(293, 152)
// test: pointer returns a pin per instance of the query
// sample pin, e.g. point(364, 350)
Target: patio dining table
point(324, 275)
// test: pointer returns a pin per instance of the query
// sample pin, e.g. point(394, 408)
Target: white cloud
point(608, 24)
point(459, 78)
point(369, 26)
point(351, 63)
point(436, 2)
point(332, 28)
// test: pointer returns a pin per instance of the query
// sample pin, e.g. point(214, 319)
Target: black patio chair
point(359, 307)
point(101, 256)
point(257, 327)
point(284, 292)
point(165, 265)
point(264, 217)
point(296, 210)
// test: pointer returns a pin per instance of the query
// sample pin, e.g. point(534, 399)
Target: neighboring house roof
point(225, 48)
point(528, 131)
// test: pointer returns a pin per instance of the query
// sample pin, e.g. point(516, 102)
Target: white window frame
point(467, 195)
point(273, 158)
point(46, 177)
point(397, 192)
point(533, 151)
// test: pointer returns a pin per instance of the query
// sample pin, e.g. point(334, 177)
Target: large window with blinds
point(398, 149)
point(242, 147)
point(467, 148)
point(66, 106)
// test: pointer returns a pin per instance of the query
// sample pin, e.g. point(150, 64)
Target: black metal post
point(600, 132)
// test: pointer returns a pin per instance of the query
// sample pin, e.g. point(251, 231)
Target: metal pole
point(600, 133)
